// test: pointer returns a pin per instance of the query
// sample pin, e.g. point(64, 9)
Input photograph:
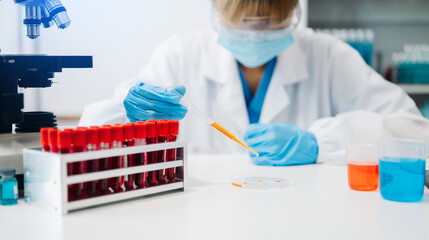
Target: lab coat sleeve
point(366, 108)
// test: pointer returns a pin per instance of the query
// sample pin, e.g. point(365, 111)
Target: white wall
point(8, 27)
point(120, 34)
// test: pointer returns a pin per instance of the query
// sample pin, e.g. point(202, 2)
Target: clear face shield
point(256, 28)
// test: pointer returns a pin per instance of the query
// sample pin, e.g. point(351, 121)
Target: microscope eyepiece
point(44, 12)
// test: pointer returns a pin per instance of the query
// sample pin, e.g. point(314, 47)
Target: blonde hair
point(235, 10)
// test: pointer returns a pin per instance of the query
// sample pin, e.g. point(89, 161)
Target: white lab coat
point(320, 84)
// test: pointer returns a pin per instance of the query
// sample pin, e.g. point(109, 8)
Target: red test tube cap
point(128, 131)
point(53, 137)
point(79, 137)
point(117, 133)
point(65, 138)
point(173, 128)
point(105, 134)
point(92, 135)
point(140, 131)
point(162, 128)
point(153, 121)
point(44, 136)
point(150, 129)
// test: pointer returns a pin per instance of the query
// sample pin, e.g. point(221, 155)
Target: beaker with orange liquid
point(362, 167)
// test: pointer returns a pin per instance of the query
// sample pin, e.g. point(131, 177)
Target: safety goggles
point(256, 28)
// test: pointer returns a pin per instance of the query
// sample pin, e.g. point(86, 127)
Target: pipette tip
point(254, 152)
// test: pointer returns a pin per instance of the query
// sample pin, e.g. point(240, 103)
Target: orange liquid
point(363, 175)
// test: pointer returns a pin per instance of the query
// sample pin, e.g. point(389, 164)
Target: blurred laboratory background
point(391, 35)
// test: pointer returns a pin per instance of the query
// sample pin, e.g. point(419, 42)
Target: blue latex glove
point(281, 144)
point(147, 102)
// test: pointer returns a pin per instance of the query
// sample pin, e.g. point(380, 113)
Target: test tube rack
point(46, 181)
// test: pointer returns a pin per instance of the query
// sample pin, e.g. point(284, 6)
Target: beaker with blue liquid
point(402, 166)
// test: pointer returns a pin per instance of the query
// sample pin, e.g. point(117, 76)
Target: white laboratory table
point(319, 206)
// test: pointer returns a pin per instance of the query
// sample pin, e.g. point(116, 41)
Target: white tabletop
point(319, 206)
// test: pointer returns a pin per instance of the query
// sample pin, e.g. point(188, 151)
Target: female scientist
point(295, 96)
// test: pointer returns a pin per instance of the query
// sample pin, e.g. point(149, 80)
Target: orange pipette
point(230, 135)
point(210, 121)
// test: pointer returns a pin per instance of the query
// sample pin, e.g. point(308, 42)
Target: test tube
point(162, 137)
point(64, 140)
point(79, 145)
point(44, 139)
point(151, 156)
point(105, 139)
point(140, 136)
point(131, 159)
point(116, 161)
point(173, 131)
point(92, 165)
point(65, 146)
point(53, 140)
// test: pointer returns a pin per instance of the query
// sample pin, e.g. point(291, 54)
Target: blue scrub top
point(254, 103)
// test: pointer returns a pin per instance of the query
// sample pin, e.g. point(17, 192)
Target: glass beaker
point(362, 167)
point(402, 169)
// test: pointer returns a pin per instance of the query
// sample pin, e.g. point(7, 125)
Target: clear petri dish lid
point(261, 183)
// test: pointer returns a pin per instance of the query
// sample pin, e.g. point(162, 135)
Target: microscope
point(20, 129)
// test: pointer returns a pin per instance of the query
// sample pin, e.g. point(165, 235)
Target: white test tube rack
point(46, 180)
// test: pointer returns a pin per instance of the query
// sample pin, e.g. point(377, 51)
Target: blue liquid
point(9, 192)
point(402, 180)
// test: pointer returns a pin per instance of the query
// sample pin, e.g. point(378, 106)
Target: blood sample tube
point(92, 165)
point(80, 140)
point(151, 156)
point(65, 146)
point(44, 139)
point(116, 162)
point(121, 178)
point(173, 131)
point(105, 139)
point(131, 158)
point(140, 135)
point(53, 140)
point(79, 145)
point(162, 137)
point(65, 141)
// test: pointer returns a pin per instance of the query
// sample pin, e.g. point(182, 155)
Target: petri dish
point(261, 183)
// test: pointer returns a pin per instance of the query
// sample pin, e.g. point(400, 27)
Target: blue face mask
point(256, 53)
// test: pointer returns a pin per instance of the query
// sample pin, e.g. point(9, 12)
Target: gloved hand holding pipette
point(281, 144)
point(148, 102)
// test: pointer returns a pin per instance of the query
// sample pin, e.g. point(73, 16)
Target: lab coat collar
point(291, 68)
point(221, 68)
point(292, 64)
